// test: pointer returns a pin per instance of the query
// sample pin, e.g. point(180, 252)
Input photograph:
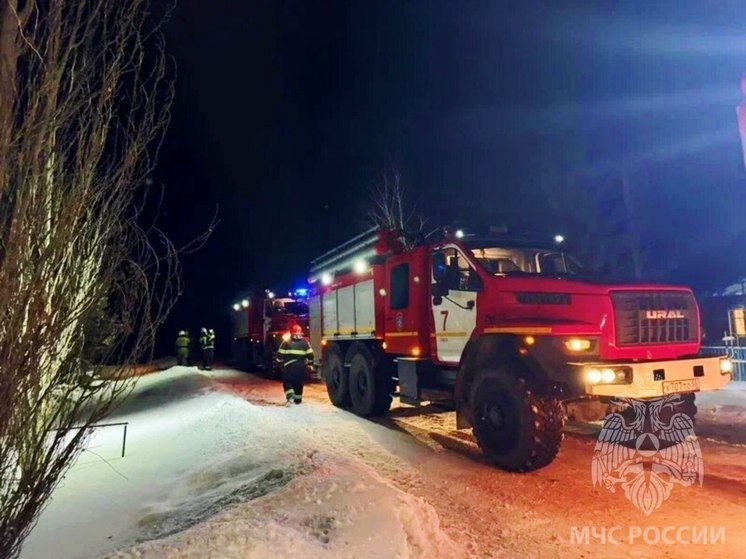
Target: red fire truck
point(506, 331)
point(260, 321)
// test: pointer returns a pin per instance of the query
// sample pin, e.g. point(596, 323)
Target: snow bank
point(178, 433)
point(208, 473)
point(340, 508)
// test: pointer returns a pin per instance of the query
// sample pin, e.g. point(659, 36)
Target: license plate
point(687, 385)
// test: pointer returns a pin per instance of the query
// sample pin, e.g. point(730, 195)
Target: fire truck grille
point(654, 317)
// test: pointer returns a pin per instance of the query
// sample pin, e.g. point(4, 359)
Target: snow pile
point(208, 473)
point(185, 446)
point(340, 508)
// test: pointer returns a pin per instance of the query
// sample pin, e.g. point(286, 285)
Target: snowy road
point(215, 467)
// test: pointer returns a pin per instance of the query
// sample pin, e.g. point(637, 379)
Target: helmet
point(182, 333)
point(204, 330)
point(212, 331)
point(296, 330)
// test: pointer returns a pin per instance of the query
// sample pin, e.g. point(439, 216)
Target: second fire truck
point(261, 320)
point(505, 330)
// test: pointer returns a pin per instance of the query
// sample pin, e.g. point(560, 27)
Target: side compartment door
point(455, 285)
point(402, 329)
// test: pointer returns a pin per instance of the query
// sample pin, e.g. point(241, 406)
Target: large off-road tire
point(240, 352)
point(270, 367)
point(336, 378)
point(518, 429)
point(252, 357)
point(370, 390)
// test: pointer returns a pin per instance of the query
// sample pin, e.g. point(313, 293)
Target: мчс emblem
point(399, 322)
point(647, 450)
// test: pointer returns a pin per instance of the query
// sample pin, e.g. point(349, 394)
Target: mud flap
point(416, 376)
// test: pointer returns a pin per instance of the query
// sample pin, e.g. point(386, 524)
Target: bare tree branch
point(388, 212)
point(85, 97)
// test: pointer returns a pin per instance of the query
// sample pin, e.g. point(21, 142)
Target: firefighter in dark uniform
point(207, 343)
point(295, 355)
point(182, 348)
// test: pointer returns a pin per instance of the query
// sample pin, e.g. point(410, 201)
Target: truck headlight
point(726, 366)
point(593, 376)
point(577, 345)
point(605, 375)
point(608, 375)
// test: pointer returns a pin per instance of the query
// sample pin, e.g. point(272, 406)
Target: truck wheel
point(370, 390)
point(517, 429)
point(253, 358)
point(239, 352)
point(270, 368)
point(335, 377)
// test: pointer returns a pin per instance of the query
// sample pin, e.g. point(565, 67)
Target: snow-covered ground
point(253, 479)
point(215, 466)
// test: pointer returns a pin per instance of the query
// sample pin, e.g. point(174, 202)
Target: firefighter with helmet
point(207, 343)
point(182, 348)
point(295, 356)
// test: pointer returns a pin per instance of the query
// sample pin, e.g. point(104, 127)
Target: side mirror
point(440, 267)
point(439, 290)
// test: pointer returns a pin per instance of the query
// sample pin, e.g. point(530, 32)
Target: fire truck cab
point(505, 330)
point(260, 321)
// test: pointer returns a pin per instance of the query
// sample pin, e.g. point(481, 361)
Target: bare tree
point(84, 97)
point(389, 213)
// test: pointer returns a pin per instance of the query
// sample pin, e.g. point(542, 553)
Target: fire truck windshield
point(519, 260)
point(295, 308)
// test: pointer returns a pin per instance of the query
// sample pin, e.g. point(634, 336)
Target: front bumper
point(660, 378)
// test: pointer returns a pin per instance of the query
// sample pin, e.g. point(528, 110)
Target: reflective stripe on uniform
point(293, 352)
point(286, 363)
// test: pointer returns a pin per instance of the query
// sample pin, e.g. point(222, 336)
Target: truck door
point(455, 284)
point(404, 333)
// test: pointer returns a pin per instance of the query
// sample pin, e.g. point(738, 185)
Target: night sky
point(287, 113)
